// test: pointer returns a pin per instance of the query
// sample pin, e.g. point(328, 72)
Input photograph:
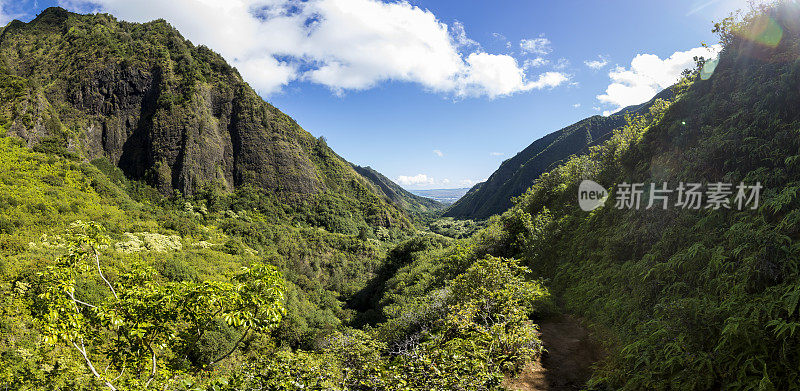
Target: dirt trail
point(567, 363)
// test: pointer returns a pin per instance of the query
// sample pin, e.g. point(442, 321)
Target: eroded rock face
point(141, 96)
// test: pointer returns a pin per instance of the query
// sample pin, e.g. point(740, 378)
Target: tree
point(142, 325)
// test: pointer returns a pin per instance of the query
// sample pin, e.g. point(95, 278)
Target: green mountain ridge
point(166, 112)
point(404, 199)
point(517, 174)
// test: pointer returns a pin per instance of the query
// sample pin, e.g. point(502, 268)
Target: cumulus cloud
point(423, 181)
point(540, 46)
point(438, 153)
point(416, 180)
point(600, 63)
point(549, 80)
point(499, 75)
point(341, 44)
point(647, 75)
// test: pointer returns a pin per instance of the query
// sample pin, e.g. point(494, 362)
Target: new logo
point(591, 195)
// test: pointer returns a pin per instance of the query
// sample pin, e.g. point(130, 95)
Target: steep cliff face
point(516, 175)
point(140, 95)
point(165, 111)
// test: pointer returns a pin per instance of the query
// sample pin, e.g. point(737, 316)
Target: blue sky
point(436, 94)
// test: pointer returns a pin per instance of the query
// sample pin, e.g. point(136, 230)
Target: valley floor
point(567, 364)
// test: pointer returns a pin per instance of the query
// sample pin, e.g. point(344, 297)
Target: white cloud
point(416, 180)
point(536, 62)
point(460, 36)
point(647, 75)
point(423, 181)
point(496, 154)
point(341, 44)
point(549, 80)
point(266, 73)
point(576, 105)
point(4, 17)
point(6, 14)
point(502, 38)
point(600, 63)
point(438, 153)
point(541, 46)
point(562, 63)
point(499, 75)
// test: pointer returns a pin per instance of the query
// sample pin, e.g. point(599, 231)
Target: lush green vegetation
point(108, 283)
point(695, 299)
point(453, 228)
point(176, 117)
point(156, 293)
point(419, 207)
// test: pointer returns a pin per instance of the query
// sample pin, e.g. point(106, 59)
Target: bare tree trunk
point(97, 260)
point(82, 350)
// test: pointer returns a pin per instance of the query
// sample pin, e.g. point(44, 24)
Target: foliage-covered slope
point(165, 111)
point(179, 299)
point(248, 276)
point(517, 174)
point(397, 195)
point(695, 299)
point(689, 299)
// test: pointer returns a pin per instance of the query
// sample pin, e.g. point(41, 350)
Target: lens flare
point(708, 68)
point(765, 31)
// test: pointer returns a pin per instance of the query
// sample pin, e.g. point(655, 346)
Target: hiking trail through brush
point(567, 364)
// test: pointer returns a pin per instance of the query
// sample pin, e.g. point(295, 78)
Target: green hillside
point(166, 112)
point(398, 196)
point(163, 227)
point(690, 299)
point(515, 175)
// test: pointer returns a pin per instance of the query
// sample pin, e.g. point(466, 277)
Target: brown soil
point(567, 363)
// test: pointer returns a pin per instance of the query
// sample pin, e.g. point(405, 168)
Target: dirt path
point(567, 363)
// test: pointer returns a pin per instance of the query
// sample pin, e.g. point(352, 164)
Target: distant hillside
point(397, 195)
point(517, 174)
point(445, 196)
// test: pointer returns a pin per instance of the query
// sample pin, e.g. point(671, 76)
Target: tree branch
point(233, 349)
point(82, 350)
point(153, 371)
point(97, 260)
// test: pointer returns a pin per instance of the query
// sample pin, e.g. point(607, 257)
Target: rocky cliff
point(165, 111)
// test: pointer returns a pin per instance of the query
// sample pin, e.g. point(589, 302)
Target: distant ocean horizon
point(445, 196)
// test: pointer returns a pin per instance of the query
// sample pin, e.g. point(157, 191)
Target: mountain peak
point(166, 112)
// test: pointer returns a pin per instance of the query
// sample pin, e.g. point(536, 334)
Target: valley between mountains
point(164, 227)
